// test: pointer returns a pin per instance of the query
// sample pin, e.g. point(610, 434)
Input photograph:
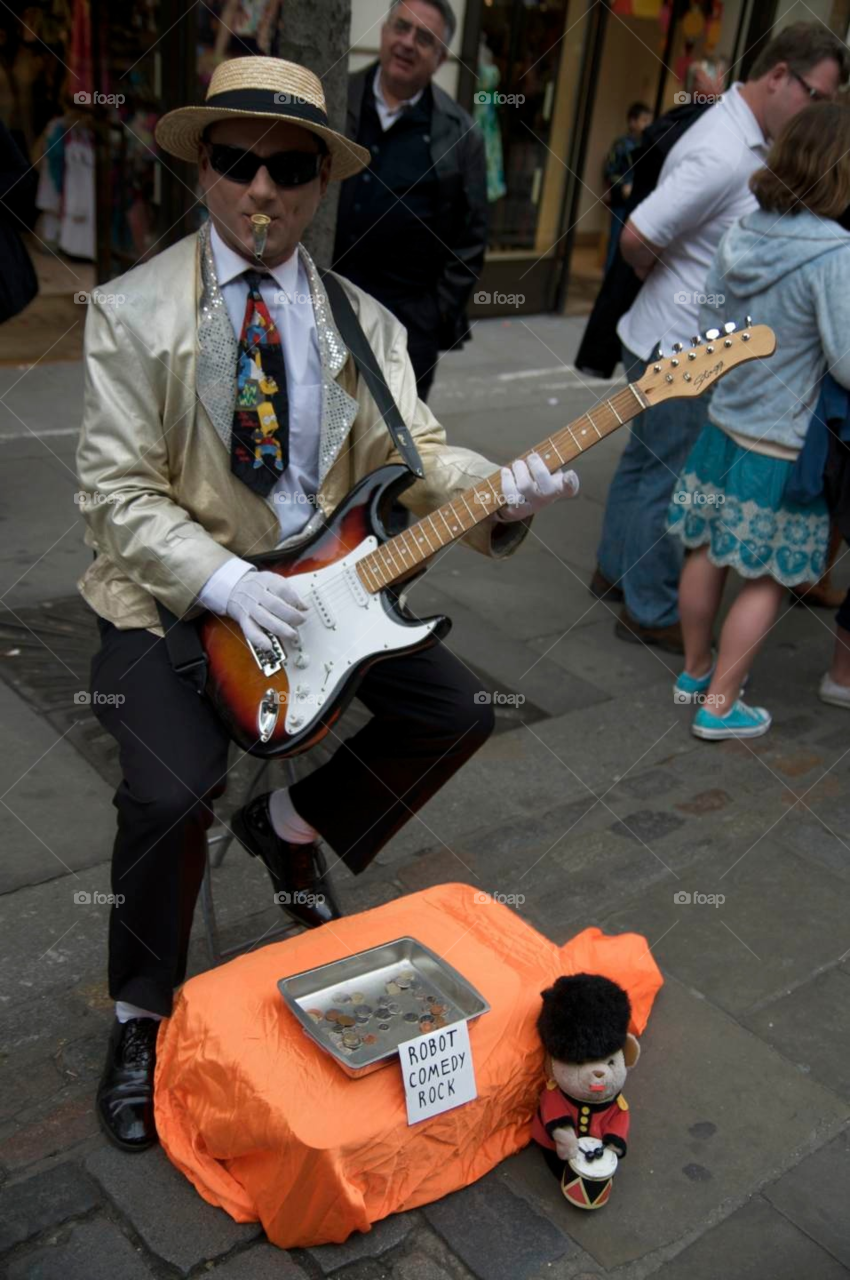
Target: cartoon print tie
point(259, 450)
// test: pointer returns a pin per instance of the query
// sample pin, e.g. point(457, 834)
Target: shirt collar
point(229, 265)
point(750, 127)
point(379, 96)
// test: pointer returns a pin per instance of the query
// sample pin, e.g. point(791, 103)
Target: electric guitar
point(281, 700)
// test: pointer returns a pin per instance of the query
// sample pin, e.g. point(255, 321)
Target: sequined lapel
point(217, 346)
point(339, 409)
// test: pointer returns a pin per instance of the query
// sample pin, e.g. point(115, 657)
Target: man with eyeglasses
point(412, 229)
point(225, 417)
point(669, 240)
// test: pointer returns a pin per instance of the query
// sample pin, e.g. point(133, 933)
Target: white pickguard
point(344, 624)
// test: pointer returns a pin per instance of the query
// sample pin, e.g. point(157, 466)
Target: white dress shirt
point(387, 114)
point(702, 189)
point(286, 293)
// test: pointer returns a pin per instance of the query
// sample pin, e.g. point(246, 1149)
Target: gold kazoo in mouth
point(260, 223)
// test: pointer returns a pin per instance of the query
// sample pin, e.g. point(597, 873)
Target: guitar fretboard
point(398, 557)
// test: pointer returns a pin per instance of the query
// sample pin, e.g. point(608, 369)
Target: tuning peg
point(729, 327)
point(677, 347)
point(748, 320)
point(712, 334)
point(696, 340)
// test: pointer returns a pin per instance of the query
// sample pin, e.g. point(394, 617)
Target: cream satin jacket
point(163, 510)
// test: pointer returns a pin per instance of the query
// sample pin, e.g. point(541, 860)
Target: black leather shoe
point(125, 1092)
point(297, 871)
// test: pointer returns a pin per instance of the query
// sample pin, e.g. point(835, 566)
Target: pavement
point(592, 802)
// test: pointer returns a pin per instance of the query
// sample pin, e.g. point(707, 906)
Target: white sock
point(124, 1012)
point(287, 822)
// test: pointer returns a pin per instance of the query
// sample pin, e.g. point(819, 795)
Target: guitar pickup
point(323, 609)
point(270, 660)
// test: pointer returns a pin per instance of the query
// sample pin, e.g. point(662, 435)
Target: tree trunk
point(317, 34)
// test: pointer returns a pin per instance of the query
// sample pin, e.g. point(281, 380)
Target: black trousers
point(424, 355)
point(426, 722)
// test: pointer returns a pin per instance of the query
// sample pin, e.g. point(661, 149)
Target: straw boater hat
point(270, 89)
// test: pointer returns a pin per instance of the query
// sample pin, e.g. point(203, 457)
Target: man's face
point(231, 204)
point(639, 123)
point(412, 46)
point(788, 93)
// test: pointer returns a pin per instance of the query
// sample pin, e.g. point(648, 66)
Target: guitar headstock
point(690, 372)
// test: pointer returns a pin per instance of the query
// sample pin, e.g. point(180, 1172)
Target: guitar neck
point(402, 555)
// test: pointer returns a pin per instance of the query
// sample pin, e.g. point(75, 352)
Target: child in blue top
point(788, 266)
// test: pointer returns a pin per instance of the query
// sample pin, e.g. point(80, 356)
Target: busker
point(224, 417)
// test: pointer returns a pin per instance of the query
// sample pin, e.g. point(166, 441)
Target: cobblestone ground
point(592, 800)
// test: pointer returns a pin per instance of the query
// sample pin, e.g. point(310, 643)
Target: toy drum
point(587, 1183)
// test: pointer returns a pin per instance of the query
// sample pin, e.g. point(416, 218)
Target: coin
point(315, 1014)
point(345, 1020)
point(411, 1017)
point(357, 997)
point(383, 1026)
point(341, 997)
point(362, 1016)
point(333, 1015)
point(393, 988)
point(393, 1006)
point(350, 1039)
point(437, 1009)
point(426, 1025)
point(369, 1038)
point(382, 1011)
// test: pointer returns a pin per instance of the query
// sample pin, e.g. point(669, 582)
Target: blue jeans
point(635, 551)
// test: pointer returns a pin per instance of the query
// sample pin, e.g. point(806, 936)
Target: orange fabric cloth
point(265, 1125)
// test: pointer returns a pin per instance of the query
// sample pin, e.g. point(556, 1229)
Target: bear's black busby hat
point(584, 1017)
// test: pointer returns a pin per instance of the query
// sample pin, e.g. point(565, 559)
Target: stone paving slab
point(90, 1251)
point(165, 1209)
point(708, 1145)
point(45, 1201)
point(814, 1196)
point(43, 834)
point(387, 1234)
point(259, 1262)
point(753, 1244)
point(811, 1027)
point(495, 1233)
point(778, 924)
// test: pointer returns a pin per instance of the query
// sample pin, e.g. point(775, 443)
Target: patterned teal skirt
point(732, 500)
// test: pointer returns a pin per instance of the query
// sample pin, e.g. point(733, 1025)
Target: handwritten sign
point(437, 1072)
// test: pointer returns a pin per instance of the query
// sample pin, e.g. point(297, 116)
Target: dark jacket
point(18, 281)
point(599, 352)
point(457, 154)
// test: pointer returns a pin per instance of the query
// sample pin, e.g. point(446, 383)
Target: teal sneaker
point(741, 722)
point(688, 687)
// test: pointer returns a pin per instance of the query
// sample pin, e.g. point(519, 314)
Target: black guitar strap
point(183, 642)
point(364, 357)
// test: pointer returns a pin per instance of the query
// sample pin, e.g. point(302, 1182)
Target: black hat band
point(276, 102)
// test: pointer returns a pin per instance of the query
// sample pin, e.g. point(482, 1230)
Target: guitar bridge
point(270, 660)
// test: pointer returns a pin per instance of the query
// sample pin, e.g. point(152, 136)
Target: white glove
point(265, 600)
point(529, 487)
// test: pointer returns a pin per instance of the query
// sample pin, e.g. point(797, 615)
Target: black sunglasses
point(286, 168)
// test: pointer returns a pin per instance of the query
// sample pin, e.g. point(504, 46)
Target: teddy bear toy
point(582, 1120)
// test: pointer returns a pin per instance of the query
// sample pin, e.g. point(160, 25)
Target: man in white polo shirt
point(670, 240)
